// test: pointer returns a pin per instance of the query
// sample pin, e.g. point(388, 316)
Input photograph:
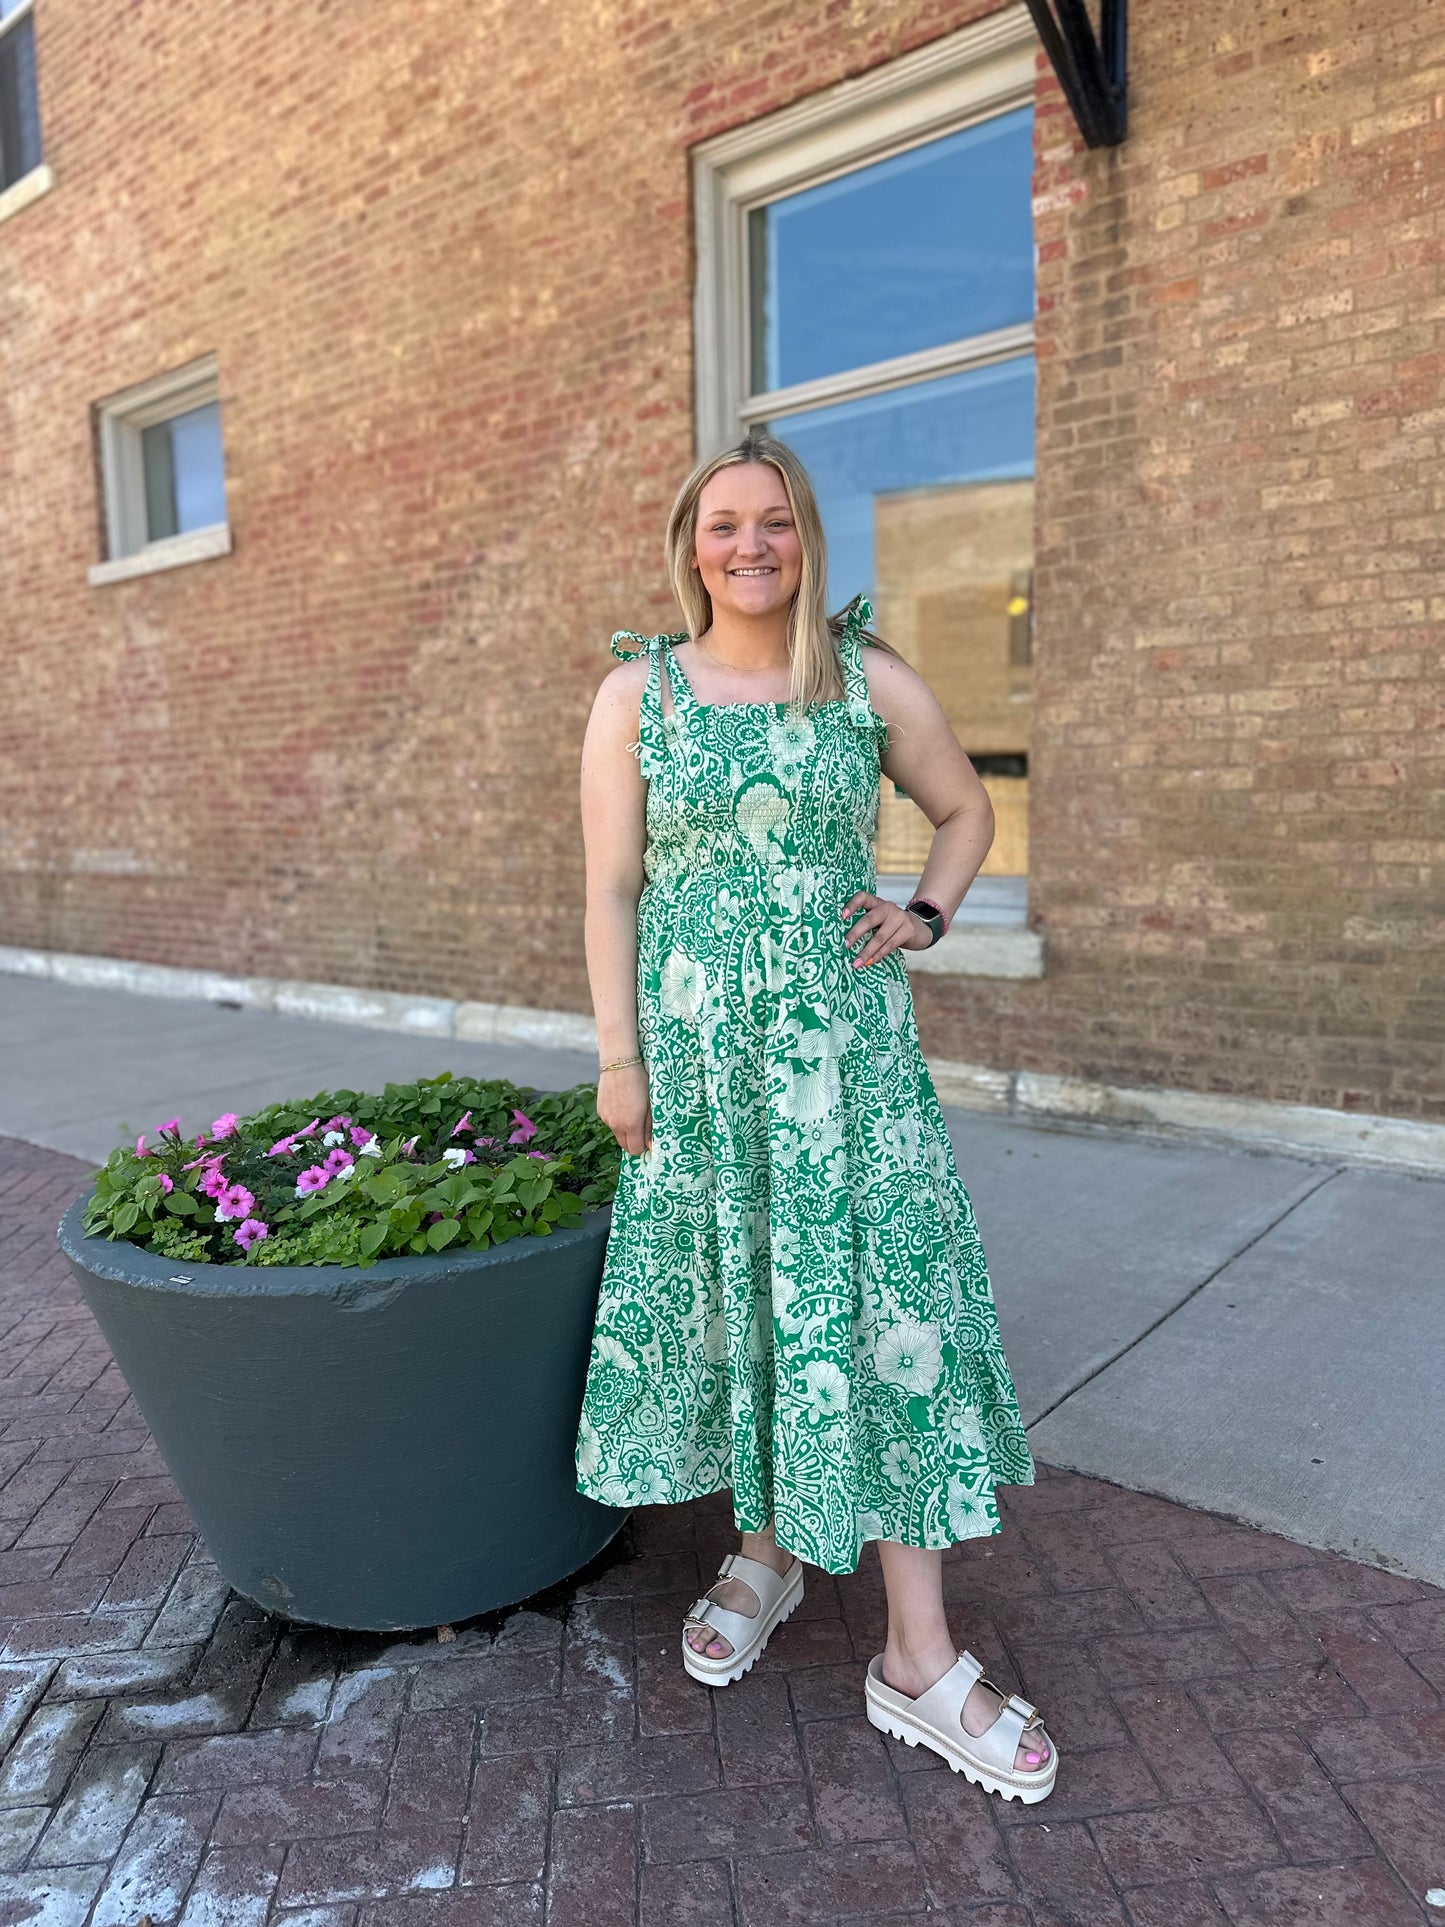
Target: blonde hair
point(812, 633)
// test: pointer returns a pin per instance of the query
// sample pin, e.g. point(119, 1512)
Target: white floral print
point(909, 1355)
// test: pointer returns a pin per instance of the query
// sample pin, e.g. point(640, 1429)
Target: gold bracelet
point(620, 1063)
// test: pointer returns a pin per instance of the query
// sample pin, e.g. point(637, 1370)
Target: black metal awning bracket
point(1091, 69)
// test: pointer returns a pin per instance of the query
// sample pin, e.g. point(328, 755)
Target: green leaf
point(374, 1237)
point(125, 1218)
point(180, 1204)
point(439, 1236)
point(387, 1185)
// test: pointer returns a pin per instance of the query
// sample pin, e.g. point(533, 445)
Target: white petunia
point(456, 1157)
point(910, 1355)
point(371, 1148)
point(334, 1137)
point(827, 1390)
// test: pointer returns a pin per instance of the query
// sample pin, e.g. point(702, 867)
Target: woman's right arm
point(614, 837)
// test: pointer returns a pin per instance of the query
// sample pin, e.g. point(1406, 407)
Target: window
point(163, 474)
point(22, 176)
point(866, 289)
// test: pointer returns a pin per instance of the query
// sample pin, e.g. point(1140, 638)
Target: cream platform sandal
point(934, 1718)
point(778, 1593)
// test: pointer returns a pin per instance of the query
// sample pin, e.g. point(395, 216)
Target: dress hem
point(866, 1538)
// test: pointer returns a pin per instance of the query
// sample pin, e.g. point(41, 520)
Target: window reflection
point(923, 248)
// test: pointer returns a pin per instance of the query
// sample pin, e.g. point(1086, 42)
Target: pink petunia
point(337, 1123)
point(486, 1140)
point(171, 1125)
point(409, 1146)
point(313, 1180)
point(167, 1184)
point(338, 1162)
point(250, 1233)
point(140, 1146)
point(360, 1137)
point(307, 1129)
point(544, 1155)
point(234, 1201)
point(525, 1128)
point(212, 1184)
point(462, 1122)
point(282, 1148)
point(225, 1126)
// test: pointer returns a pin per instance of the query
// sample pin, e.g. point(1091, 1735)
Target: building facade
point(351, 358)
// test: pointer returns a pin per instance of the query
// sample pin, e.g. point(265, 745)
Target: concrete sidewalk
point(1254, 1334)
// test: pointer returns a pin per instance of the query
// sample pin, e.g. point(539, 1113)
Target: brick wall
point(446, 267)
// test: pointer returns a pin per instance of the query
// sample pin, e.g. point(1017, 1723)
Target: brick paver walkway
point(1250, 1732)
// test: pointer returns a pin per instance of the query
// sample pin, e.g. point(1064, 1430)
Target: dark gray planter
point(376, 1449)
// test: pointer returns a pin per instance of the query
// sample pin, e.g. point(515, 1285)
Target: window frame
point(121, 419)
point(982, 70)
point(27, 187)
point(978, 72)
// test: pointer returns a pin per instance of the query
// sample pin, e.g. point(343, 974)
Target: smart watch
point(931, 915)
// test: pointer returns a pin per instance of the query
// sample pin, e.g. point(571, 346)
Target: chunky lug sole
point(889, 1712)
point(723, 1672)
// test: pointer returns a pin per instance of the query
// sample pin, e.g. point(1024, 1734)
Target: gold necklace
point(698, 643)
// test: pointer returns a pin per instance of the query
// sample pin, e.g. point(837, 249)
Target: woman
point(795, 1303)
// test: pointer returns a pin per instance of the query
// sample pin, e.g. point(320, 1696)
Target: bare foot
point(981, 1708)
point(736, 1595)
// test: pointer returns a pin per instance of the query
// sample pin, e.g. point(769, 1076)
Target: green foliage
point(401, 1192)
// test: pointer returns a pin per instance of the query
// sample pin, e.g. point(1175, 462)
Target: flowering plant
point(346, 1178)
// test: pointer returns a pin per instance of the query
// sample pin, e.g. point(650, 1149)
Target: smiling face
point(746, 545)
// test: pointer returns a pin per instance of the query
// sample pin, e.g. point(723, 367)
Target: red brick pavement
point(1250, 1732)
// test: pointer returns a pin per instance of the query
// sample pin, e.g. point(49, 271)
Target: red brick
point(727, 1823)
point(854, 1797)
point(1262, 1629)
point(508, 1821)
point(1179, 1747)
point(1371, 1666)
point(592, 1877)
point(755, 1732)
point(1188, 1905)
point(959, 1850)
point(696, 1895)
point(1196, 1840)
point(1346, 1896)
point(813, 1889)
point(636, 1770)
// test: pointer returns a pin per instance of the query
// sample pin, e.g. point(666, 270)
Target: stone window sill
point(989, 937)
point(28, 188)
point(199, 546)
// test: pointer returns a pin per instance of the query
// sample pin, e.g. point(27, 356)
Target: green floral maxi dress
point(794, 1302)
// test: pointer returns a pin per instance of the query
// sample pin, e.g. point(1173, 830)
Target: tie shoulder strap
point(855, 620)
point(650, 749)
point(643, 644)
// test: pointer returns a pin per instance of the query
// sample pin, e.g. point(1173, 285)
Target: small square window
point(19, 95)
point(163, 472)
